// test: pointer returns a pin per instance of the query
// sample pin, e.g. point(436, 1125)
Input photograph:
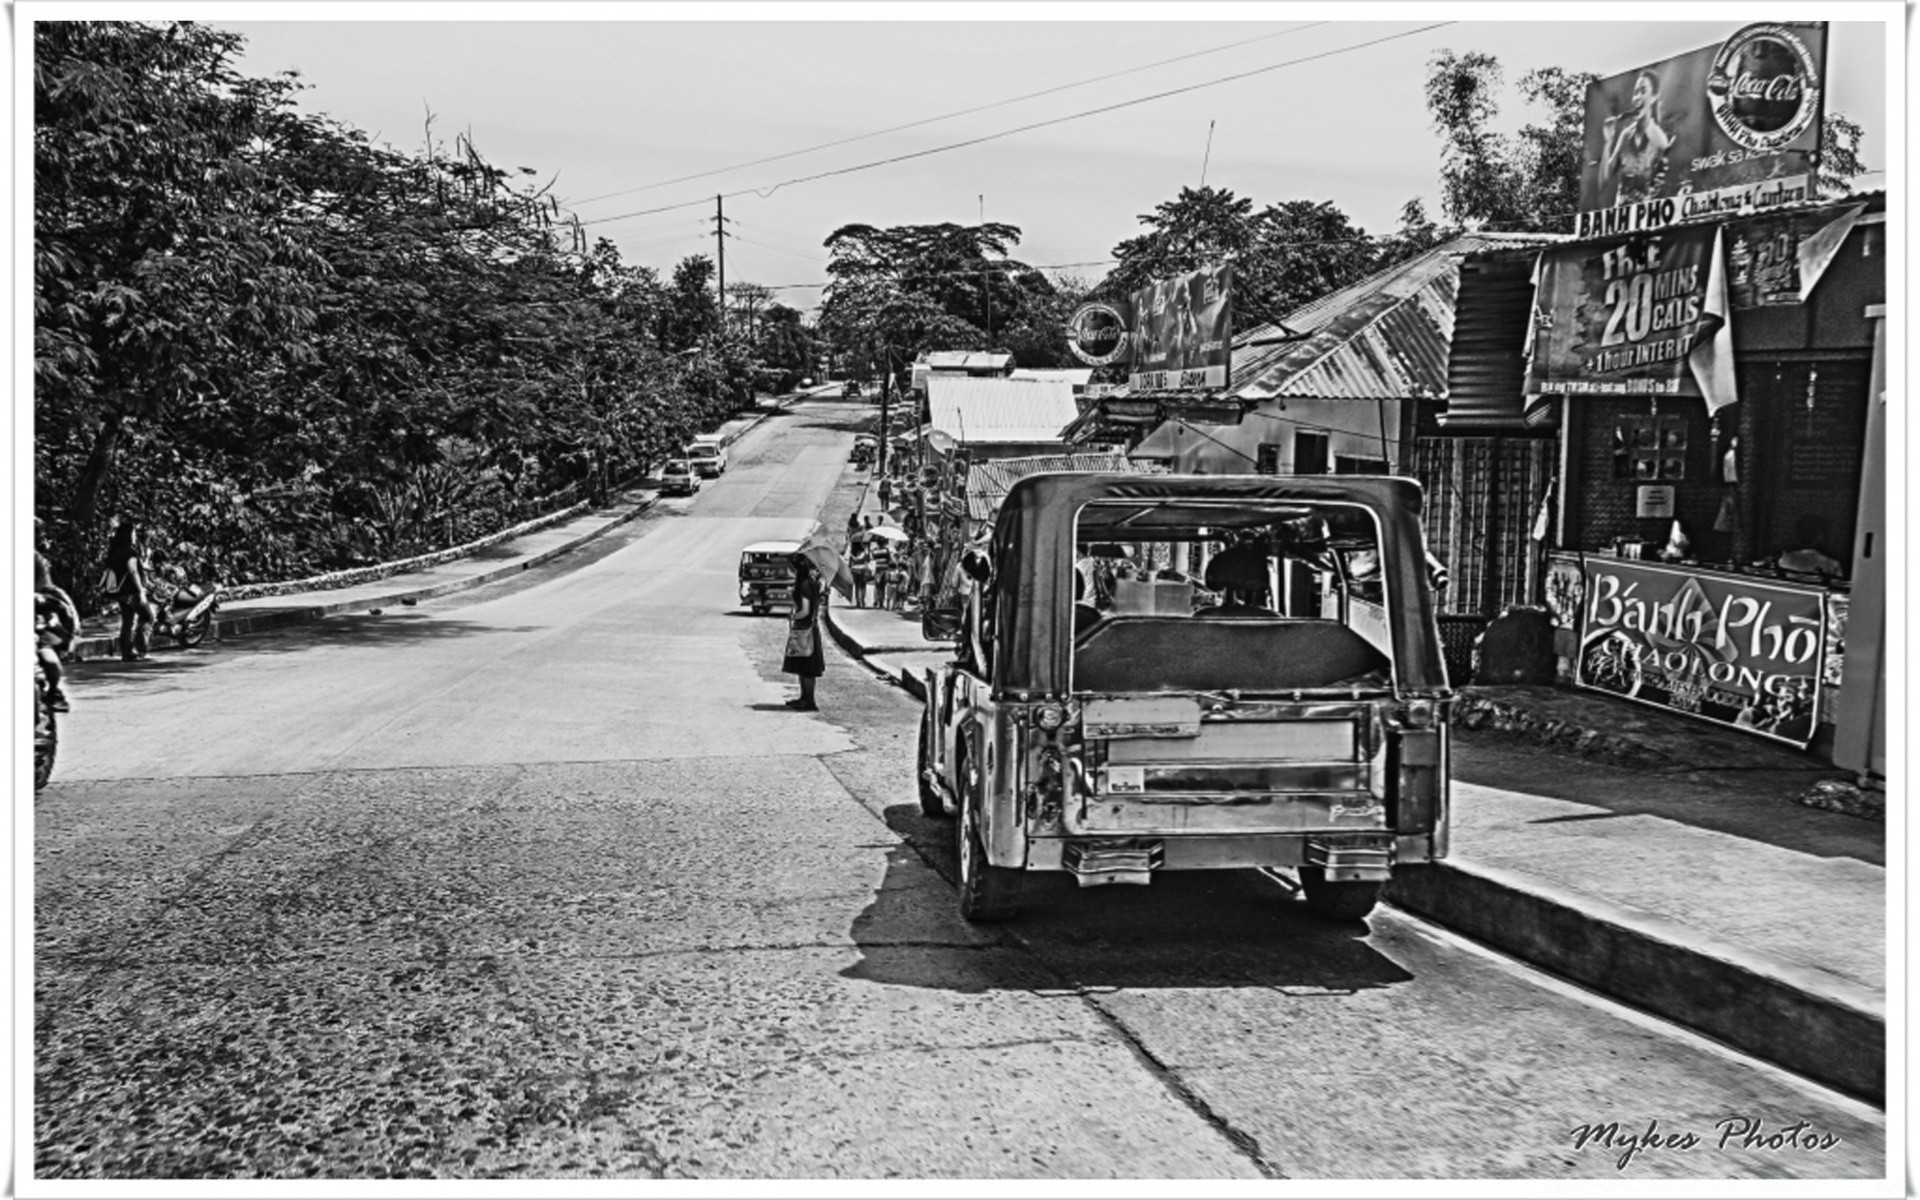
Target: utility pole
point(720, 241)
point(886, 406)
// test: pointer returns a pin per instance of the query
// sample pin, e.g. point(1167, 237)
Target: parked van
point(708, 455)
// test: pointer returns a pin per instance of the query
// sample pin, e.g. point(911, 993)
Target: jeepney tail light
point(1050, 716)
point(1417, 764)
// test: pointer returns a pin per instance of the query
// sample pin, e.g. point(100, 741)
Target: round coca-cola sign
point(1097, 334)
point(1764, 87)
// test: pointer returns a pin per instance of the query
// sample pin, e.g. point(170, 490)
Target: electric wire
point(763, 193)
point(949, 116)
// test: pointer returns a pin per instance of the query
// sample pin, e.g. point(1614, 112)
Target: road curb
point(1805, 1020)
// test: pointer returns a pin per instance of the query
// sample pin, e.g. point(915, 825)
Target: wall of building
point(1352, 429)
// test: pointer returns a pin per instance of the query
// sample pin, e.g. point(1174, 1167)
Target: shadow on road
point(1200, 929)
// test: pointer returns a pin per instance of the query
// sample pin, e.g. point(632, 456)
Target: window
point(1309, 453)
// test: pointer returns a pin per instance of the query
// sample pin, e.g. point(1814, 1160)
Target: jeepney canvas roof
point(1034, 551)
point(770, 548)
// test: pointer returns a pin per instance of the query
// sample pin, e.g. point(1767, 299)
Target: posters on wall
point(1734, 651)
point(1642, 315)
point(1182, 328)
point(1722, 131)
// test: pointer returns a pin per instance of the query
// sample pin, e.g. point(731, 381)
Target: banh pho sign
point(1722, 131)
point(1643, 315)
point(1097, 334)
point(1733, 651)
point(1181, 330)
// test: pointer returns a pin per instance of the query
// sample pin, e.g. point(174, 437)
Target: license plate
point(779, 594)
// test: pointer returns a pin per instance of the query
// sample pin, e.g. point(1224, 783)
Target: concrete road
point(543, 880)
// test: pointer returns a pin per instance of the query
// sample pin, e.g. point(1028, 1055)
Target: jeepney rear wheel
point(987, 893)
point(931, 803)
point(1342, 900)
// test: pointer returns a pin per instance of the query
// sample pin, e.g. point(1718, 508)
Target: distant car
point(679, 478)
point(708, 455)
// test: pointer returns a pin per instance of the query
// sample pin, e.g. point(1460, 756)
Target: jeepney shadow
point(1201, 929)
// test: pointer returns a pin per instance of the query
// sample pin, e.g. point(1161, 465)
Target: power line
point(949, 116)
point(763, 193)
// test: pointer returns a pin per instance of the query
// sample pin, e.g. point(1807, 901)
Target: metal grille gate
point(1483, 494)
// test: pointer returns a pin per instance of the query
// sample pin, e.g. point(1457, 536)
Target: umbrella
point(826, 560)
point(892, 533)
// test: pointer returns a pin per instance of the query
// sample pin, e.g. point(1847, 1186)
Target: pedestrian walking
point(125, 579)
point(805, 657)
point(860, 564)
point(897, 585)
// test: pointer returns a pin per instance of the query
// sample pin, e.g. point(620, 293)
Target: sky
point(615, 106)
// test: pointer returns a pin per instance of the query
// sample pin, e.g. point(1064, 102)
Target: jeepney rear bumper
point(1201, 852)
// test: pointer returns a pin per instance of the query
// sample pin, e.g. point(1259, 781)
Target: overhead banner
point(1777, 260)
point(1636, 316)
point(1723, 131)
point(1181, 330)
point(1733, 651)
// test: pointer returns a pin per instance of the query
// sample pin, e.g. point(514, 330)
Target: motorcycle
point(185, 611)
point(46, 729)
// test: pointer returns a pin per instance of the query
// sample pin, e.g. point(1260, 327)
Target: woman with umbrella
point(805, 657)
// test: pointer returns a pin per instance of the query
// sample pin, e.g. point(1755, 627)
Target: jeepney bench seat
point(1158, 653)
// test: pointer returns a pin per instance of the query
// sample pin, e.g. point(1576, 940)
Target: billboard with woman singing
point(1724, 130)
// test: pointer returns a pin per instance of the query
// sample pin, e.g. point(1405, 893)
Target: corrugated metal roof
point(1385, 337)
point(975, 410)
point(988, 482)
point(1077, 376)
point(967, 360)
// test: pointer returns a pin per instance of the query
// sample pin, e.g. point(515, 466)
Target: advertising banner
point(1733, 651)
point(1097, 333)
point(1723, 131)
point(1644, 315)
point(1777, 259)
point(1181, 330)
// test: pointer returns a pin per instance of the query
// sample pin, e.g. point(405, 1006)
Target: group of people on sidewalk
point(881, 560)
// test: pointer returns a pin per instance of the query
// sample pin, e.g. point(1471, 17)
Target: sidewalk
point(1779, 950)
point(397, 584)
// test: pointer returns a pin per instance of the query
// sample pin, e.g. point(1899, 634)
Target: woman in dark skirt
point(806, 657)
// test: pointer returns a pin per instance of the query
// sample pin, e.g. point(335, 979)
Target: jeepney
point(766, 576)
point(1111, 715)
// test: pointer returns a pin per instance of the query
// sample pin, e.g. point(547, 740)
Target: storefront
point(1712, 470)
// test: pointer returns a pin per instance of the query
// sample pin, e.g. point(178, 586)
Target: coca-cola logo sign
point(1764, 87)
point(1097, 334)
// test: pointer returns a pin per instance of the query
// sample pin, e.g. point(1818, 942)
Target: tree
point(1839, 163)
point(691, 314)
point(1283, 255)
point(163, 265)
point(901, 290)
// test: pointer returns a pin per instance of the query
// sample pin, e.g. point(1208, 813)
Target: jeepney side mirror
point(976, 567)
point(942, 624)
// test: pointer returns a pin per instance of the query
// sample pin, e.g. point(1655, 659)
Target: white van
point(708, 455)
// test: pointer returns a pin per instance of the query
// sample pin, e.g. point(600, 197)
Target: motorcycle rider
point(56, 623)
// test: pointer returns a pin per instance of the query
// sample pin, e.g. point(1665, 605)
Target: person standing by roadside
point(805, 657)
point(125, 579)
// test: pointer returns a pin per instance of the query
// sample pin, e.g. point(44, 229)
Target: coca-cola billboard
point(1723, 131)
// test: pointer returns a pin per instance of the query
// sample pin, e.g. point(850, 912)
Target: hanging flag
point(1711, 359)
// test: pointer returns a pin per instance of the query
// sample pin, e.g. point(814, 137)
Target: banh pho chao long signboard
point(1641, 315)
point(1181, 330)
point(1722, 131)
point(1734, 651)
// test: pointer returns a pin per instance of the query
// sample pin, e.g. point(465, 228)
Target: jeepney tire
point(759, 610)
point(931, 803)
point(1345, 900)
point(987, 893)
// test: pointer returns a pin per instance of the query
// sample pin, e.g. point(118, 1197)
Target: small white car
point(708, 455)
point(679, 478)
